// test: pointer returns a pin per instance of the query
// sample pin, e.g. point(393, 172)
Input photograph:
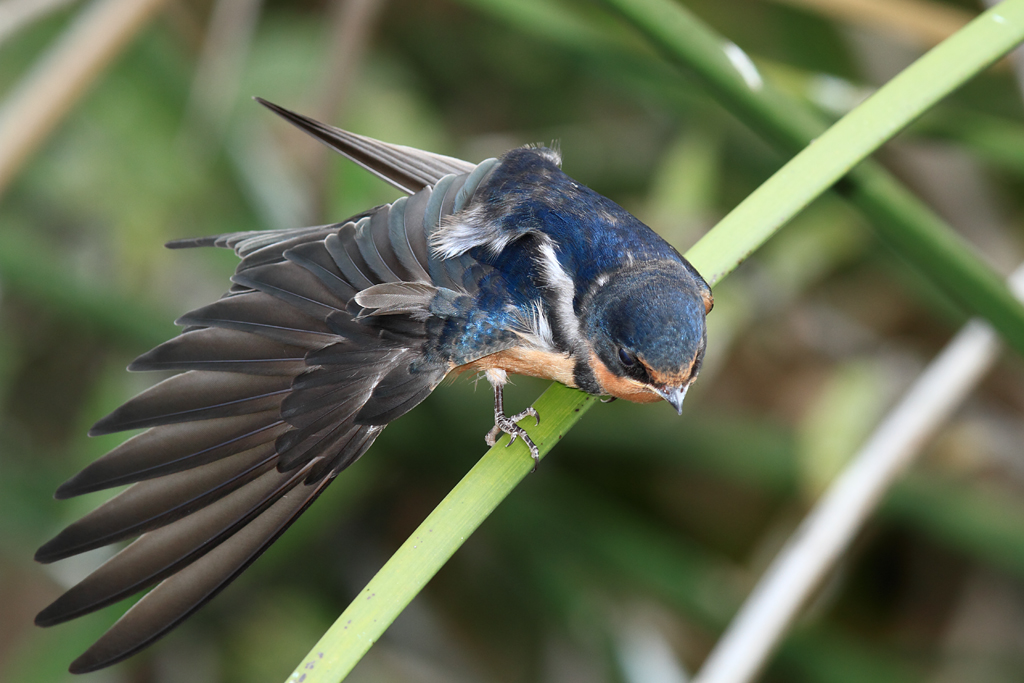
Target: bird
point(329, 333)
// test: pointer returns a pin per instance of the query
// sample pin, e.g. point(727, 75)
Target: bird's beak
point(674, 396)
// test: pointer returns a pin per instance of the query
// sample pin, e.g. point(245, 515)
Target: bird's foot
point(504, 424)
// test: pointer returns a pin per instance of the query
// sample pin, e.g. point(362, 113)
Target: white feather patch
point(533, 326)
point(556, 279)
point(497, 377)
point(466, 231)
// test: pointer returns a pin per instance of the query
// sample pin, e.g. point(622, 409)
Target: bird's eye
point(626, 358)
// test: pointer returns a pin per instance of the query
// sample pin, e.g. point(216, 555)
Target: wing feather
point(159, 553)
point(259, 313)
point(408, 169)
point(400, 241)
point(179, 596)
point(368, 247)
point(156, 502)
point(295, 286)
point(221, 349)
point(193, 396)
point(321, 341)
point(350, 262)
point(317, 260)
point(172, 448)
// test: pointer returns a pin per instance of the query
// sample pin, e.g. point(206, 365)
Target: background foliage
point(635, 542)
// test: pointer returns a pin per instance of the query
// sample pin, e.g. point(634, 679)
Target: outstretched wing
point(284, 382)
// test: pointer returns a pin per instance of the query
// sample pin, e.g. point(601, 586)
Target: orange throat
point(621, 387)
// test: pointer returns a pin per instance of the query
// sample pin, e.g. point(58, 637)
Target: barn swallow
point(329, 333)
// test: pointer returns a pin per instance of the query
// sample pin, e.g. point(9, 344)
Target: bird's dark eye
point(626, 358)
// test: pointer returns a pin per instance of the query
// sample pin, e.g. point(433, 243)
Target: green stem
point(437, 539)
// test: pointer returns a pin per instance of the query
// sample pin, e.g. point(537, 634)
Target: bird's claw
point(529, 412)
point(504, 424)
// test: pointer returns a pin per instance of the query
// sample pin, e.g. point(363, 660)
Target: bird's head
point(646, 328)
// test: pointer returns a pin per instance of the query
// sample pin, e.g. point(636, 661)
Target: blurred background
point(629, 550)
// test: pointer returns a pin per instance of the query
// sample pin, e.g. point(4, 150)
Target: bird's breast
point(532, 362)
